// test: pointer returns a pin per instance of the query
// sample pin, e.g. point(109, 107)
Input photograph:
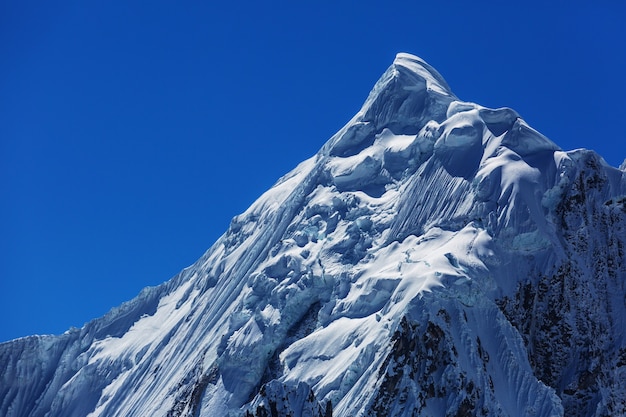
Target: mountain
point(435, 257)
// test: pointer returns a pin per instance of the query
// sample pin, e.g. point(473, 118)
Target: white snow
point(422, 208)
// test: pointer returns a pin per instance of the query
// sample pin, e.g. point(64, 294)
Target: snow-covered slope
point(435, 257)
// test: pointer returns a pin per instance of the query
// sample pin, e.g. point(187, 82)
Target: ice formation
point(435, 257)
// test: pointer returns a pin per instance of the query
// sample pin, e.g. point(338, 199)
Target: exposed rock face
point(567, 317)
point(434, 258)
point(277, 400)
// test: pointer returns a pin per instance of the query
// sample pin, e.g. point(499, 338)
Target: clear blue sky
point(132, 132)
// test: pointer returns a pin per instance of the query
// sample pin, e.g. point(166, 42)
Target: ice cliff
point(434, 258)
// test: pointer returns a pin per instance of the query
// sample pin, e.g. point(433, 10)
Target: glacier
point(434, 258)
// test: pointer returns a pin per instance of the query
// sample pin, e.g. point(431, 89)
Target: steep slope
point(434, 257)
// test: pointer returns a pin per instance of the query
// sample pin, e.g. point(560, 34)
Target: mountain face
point(434, 258)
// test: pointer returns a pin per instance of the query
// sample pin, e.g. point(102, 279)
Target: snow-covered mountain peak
point(435, 257)
point(419, 67)
point(406, 97)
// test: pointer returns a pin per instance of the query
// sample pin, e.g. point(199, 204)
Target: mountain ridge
point(435, 256)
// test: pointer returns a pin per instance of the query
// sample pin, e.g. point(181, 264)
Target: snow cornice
point(416, 65)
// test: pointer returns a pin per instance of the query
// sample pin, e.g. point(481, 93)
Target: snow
point(422, 223)
point(434, 81)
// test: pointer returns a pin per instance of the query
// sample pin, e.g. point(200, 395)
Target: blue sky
point(132, 132)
